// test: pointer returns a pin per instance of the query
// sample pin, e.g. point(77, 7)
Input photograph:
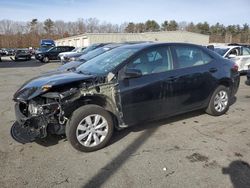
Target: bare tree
point(6, 27)
point(81, 27)
point(92, 25)
point(60, 27)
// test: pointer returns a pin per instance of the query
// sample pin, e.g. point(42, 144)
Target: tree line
point(24, 34)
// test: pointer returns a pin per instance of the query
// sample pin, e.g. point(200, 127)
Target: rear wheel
point(90, 128)
point(219, 102)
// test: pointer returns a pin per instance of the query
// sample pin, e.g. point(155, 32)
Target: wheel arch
point(98, 100)
point(225, 82)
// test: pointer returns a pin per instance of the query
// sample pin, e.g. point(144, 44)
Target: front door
point(145, 97)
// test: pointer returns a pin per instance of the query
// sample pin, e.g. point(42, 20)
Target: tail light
point(235, 67)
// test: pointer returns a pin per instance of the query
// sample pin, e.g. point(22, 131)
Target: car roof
point(151, 44)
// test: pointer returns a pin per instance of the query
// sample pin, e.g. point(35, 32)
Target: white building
point(84, 40)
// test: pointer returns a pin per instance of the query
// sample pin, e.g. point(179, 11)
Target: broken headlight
point(34, 108)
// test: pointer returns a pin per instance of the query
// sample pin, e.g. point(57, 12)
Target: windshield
point(90, 48)
point(22, 51)
point(221, 51)
point(106, 62)
point(93, 53)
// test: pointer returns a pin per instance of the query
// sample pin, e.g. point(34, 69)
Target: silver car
point(239, 54)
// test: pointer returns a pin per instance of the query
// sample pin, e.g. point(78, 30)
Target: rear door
point(193, 80)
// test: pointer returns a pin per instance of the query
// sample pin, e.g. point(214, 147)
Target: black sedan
point(52, 53)
point(123, 87)
point(23, 54)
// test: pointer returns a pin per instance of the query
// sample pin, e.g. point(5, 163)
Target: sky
point(226, 12)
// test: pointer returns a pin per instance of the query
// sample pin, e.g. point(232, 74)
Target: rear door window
point(189, 56)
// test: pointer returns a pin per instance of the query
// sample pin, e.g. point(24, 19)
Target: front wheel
point(45, 59)
point(219, 102)
point(89, 128)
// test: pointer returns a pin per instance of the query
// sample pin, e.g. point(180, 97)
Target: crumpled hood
point(33, 87)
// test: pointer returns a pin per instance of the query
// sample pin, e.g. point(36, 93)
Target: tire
point(219, 102)
point(45, 59)
point(79, 131)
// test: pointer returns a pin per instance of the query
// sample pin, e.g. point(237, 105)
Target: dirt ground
point(190, 150)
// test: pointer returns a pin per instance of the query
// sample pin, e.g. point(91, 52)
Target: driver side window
point(54, 49)
point(153, 61)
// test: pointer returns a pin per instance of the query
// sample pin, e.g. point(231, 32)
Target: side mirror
point(132, 73)
point(231, 56)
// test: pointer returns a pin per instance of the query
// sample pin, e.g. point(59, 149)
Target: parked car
point(7, 51)
point(22, 54)
point(4, 52)
point(86, 57)
point(75, 56)
point(52, 53)
point(238, 54)
point(76, 50)
point(123, 87)
point(248, 78)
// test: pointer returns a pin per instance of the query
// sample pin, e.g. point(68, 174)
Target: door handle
point(212, 70)
point(172, 78)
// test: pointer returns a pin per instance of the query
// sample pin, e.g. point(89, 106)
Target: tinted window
point(153, 61)
point(189, 56)
point(53, 49)
point(65, 49)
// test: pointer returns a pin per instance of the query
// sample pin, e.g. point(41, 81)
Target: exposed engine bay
point(48, 113)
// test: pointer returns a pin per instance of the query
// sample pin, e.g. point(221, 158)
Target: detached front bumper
point(27, 129)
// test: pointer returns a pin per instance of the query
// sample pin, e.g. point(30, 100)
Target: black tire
point(77, 116)
point(211, 109)
point(45, 59)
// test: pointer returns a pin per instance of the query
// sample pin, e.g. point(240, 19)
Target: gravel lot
point(191, 150)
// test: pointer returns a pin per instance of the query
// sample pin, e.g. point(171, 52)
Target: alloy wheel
point(92, 130)
point(221, 101)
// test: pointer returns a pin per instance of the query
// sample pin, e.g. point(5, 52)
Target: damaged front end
point(33, 118)
point(39, 116)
